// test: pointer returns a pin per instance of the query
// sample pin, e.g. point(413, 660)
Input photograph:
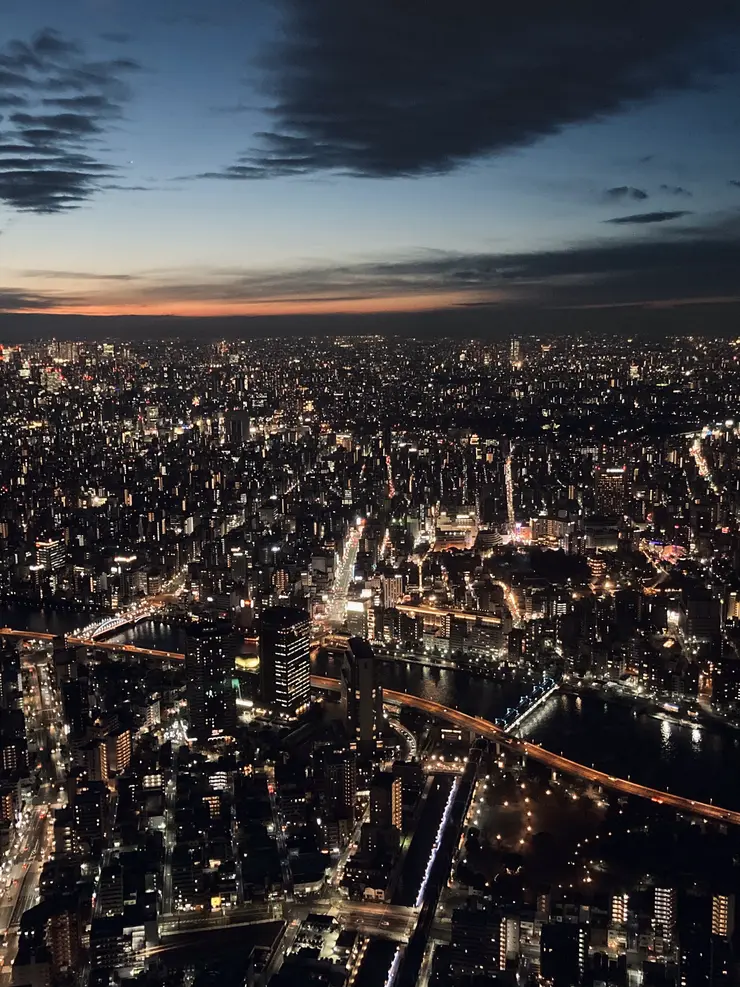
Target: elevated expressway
point(484, 728)
point(90, 642)
point(476, 724)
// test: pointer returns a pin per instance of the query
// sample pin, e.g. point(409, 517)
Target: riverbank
point(586, 725)
point(691, 760)
point(694, 713)
point(12, 601)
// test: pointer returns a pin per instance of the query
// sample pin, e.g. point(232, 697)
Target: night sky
point(310, 156)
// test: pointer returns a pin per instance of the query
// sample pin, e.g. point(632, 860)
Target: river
point(696, 762)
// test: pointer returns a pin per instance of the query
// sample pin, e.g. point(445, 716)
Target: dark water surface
point(699, 763)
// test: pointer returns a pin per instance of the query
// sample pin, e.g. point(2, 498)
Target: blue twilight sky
point(173, 156)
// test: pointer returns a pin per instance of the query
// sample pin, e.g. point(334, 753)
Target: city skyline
point(376, 664)
point(173, 161)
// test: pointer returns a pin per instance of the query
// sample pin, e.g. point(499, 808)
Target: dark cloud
point(182, 18)
point(48, 42)
point(394, 88)
point(663, 267)
point(18, 301)
point(51, 155)
point(659, 270)
point(12, 100)
point(676, 190)
point(76, 276)
point(735, 182)
point(132, 188)
point(648, 217)
point(625, 192)
point(97, 103)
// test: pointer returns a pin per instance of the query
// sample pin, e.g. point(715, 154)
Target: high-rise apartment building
point(340, 780)
point(478, 941)
point(11, 688)
point(210, 653)
point(63, 938)
point(563, 952)
point(620, 909)
point(386, 806)
point(723, 915)
point(362, 698)
point(13, 748)
point(285, 659)
point(665, 912)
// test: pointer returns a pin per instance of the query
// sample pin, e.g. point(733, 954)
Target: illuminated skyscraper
point(723, 915)
point(610, 490)
point(210, 652)
point(665, 912)
point(51, 554)
point(362, 698)
point(285, 659)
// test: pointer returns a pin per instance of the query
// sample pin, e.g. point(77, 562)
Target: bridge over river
point(475, 724)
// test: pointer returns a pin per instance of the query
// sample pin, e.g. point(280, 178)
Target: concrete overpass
point(26, 635)
point(476, 724)
point(440, 613)
point(89, 642)
point(556, 762)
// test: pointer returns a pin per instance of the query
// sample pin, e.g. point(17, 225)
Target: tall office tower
point(237, 427)
point(610, 490)
point(515, 351)
point(51, 554)
point(285, 659)
point(362, 698)
point(211, 647)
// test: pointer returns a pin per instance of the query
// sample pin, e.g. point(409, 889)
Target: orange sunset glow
point(277, 306)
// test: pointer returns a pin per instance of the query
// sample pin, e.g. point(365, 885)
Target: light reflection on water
point(698, 763)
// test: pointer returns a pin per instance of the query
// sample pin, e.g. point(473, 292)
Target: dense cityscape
point(366, 661)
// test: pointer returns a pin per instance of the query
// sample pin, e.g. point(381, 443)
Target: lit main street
point(32, 842)
point(335, 615)
point(20, 876)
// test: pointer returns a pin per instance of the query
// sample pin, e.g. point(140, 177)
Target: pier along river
point(696, 762)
